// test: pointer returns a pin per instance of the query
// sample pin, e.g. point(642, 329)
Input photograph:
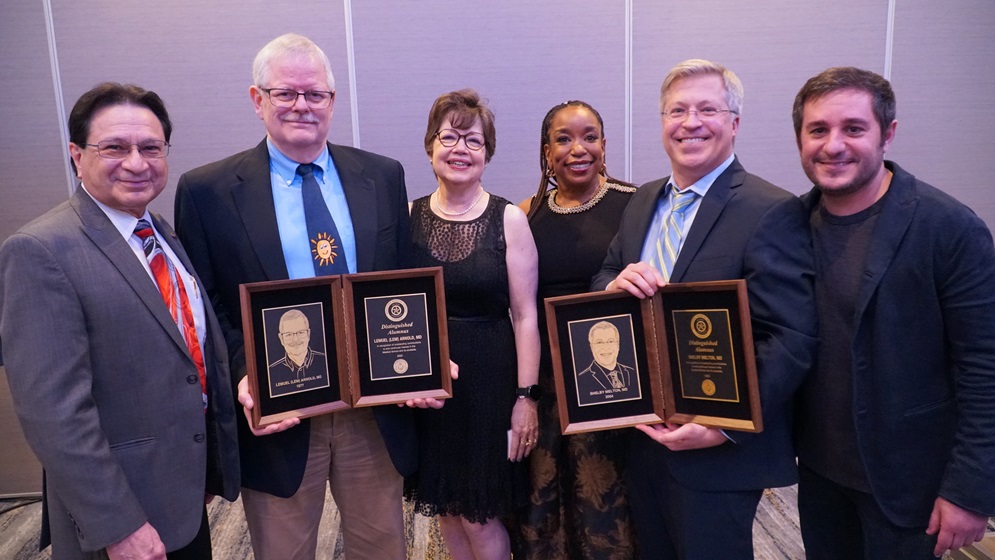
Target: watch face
point(533, 392)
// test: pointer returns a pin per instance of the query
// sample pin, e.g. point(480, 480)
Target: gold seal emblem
point(400, 365)
point(708, 387)
point(396, 310)
point(701, 325)
point(323, 248)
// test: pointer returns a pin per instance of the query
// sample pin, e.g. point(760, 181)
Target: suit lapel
point(108, 240)
point(360, 194)
point(253, 196)
point(893, 222)
point(711, 207)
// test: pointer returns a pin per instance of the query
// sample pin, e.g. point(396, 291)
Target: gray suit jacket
point(104, 386)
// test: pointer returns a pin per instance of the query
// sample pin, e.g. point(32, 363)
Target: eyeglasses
point(449, 138)
point(282, 97)
point(299, 334)
point(706, 114)
point(115, 149)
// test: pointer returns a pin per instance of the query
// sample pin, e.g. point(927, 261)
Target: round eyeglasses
point(449, 138)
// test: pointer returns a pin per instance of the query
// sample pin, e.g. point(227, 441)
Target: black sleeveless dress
point(579, 507)
point(463, 447)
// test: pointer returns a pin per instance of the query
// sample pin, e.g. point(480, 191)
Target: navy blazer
point(924, 354)
point(226, 218)
point(745, 228)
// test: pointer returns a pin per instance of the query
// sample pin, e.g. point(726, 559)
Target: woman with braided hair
point(578, 507)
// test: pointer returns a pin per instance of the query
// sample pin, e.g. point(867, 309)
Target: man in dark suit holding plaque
point(896, 426)
point(694, 489)
point(297, 206)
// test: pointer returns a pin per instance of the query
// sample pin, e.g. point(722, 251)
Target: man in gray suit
point(125, 399)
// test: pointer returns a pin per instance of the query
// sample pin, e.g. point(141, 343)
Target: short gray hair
point(291, 315)
point(290, 44)
point(700, 67)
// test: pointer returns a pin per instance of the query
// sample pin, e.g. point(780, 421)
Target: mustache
point(300, 117)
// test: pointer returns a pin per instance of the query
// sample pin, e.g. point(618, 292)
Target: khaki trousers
point(347, 451)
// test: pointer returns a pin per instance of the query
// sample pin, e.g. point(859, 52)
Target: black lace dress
point(463, 447)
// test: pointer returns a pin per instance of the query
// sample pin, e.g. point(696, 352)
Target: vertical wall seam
point(627, 147)
point(889, 40)
point(351, 62)
point(60, 102)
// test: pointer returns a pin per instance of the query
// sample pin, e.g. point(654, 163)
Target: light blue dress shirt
point(290, 211)
point(663, 209)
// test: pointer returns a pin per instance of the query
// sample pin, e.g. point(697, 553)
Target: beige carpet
point(775, 533)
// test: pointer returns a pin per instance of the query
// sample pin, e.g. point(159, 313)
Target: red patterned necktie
point(172, 291)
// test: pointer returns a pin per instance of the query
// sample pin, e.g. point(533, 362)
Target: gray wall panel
point(524, 57)
point(943, 76)
point(772, 46)
point(198, 56)
point(521, 55)
point(20, 471)
point(32, 154)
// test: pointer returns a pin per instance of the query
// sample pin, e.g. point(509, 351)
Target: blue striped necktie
point(326, 245)
point(668, 242)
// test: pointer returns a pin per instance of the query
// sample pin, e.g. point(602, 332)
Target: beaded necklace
point(596, 198)
point(438, 203)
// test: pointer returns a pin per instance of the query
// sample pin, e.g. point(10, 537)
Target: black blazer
point(745, 228)
point(924, 354)
point(226, 219)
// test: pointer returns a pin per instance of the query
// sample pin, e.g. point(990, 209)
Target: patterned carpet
point(775, 531)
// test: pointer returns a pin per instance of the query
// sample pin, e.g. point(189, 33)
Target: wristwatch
point(533, 392)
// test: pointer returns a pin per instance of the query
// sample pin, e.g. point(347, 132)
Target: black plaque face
point(604, 358)
point(712, 378)
point(706, 358)
point(292, 359)
point(295, 349)
point(398, 336)
point(317, 345)
point(398, 344)
point(603, 352)
point(684, 356)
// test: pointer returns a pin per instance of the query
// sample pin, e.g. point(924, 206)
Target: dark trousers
point(674, 522)
point(839, 522)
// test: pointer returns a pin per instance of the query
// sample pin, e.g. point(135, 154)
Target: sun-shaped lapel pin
point(323, 248)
